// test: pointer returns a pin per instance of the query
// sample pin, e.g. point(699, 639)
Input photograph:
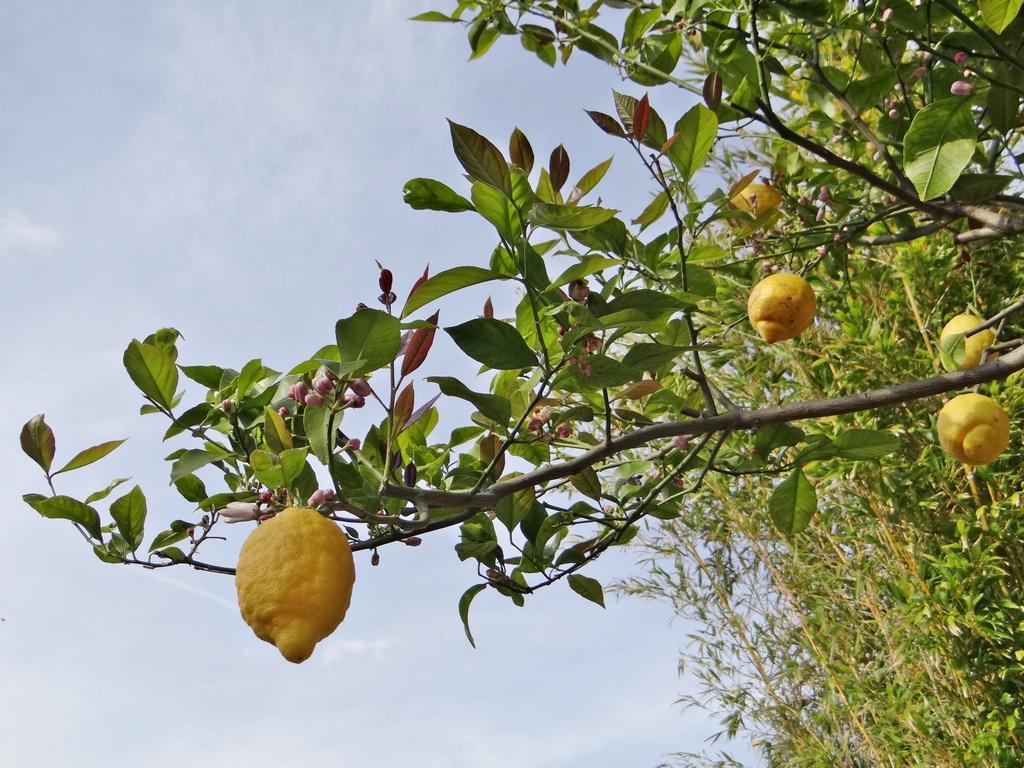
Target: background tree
point(630, 380)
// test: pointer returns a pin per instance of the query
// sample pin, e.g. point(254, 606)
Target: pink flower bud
point(961, 57)
point(585, 368)
point(887, 14)
point(961, 88)
point(822, 251)
point(283, 412)
point(266, 497)
point(375, 559)
point(316, 499)
point(534, 424)
point(968, 73)
point(564, 431)
point(298, 391)
point(579, 290)
point(874, 27)
point(313, 400)
point(825, 193)
point(926, 56)
point(323, 385)
point(353, 444)
point(821, 215)
point(413, 541)
point(239, 512)
point(682, 442)
point(920, 72)
point(328, 494)
point(226, 406)
point(542, 414)
point(360, 387)
point(894, 114)
point(354, 401)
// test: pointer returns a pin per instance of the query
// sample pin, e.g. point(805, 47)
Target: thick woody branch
point(732, 421)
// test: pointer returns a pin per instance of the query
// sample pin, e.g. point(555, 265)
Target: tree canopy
point(860, 587)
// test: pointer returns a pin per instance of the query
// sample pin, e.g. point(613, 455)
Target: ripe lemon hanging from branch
point(781, 306)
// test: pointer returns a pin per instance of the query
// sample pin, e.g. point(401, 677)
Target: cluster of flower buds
point(386, 281)
point(541, 415)
point(323, 383)
point(321, 496)
point(298, 392)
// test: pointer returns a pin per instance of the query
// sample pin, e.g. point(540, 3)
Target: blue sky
point(233, 169)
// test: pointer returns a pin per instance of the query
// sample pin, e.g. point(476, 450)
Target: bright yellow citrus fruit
point(294, 580)
point(975, 344)
point(781, 306)
point(973, 428)
point(757, 199)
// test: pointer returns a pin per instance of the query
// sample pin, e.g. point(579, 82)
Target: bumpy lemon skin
point(757, 199)
point(975, 344)
point(294, 580)
point(781, 306)
point(973, 428)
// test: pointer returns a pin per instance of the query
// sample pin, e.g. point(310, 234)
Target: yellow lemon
point(781, 306)
point(975, 344)
point(294, 580)
point(973, 428)
point(757, 199)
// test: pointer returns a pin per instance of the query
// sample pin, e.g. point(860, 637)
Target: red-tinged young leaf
point(37, 442)
point(419, 345)
point(488, 308)
point(713, 91)
point(668, 144)
point(520, 151)
point(403, 409)
point(420, 281)
point(641, 117)
point(419, 412)
point(558, 167)
point(607, 123)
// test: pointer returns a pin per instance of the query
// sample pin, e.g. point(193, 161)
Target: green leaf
point(153, 371)
point(102, 494)
point(650, 357)
point(37, 442)
point(210, 376)
point(431, 195)
point(252, 372)
point(952, 351)
point(793, 503)
point(67, 508)
point(702, 254)
point(129, 512)
point(173, 554)
point(292, 463)
point(449, 281)
point(275, 432)
point(939, 145)
point(979, 187)
point(772, 436)
point(568, 218)
point(589, 265)
point(314, 422)
point(89, 455)
point(191, 460)
point(654, 211)
point(493, 407)
point(166, 538)
point(998, 14)
point(587, 587)
point(696, 131)
point(191, 488)
point(370, 335)
point(590, 179)
point(494, 343)
point(435, 16)
point(267, 470)
point(482, 160)
point(866, 444)
point(513, 509)
point(464, 601)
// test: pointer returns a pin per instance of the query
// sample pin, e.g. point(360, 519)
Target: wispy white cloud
point(18, 231)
